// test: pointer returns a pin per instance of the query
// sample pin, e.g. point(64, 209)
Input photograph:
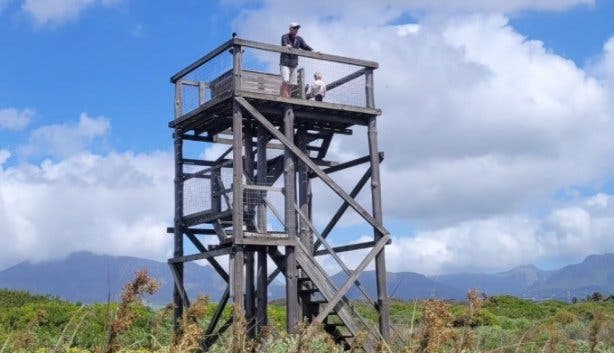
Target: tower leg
point(292, 301)
point(250, 291)
point(237, 277)
point(261, 272)
point(178, 234)
point(380, 258)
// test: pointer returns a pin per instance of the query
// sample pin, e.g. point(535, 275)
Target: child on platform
point(317, 89)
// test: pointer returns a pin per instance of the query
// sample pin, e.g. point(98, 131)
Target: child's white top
point(318, 87)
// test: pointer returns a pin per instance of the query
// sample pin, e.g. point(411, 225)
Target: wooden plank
point(348, 164)
point(313, 104)
point(203, 60)
point(344, 248)
point(314, 120)
point(192, 83)
point(325, 178)
point(345, 79)
point(193, 231)
point(189, 117)
point(266, 241)
point(304, 53)
point(262, 188)
point(207, 216)
point(201, 256)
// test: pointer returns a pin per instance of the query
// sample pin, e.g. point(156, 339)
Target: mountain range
point(88, 278)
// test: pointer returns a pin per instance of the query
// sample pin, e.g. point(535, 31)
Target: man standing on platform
point(289, 62)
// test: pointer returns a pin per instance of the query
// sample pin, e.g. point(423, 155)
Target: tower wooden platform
point(277, 146)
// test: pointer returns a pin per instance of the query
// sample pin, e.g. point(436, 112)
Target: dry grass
point(191, 329)
point(131, 295)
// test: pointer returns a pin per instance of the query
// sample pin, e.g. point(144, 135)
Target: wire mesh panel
point(196, 195)
point(260, 202)
point(208, 189)
point(206, 82)
point(261, 74)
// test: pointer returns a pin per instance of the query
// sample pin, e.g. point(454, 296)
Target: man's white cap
point(294, 24)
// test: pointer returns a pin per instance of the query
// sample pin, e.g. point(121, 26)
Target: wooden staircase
point(344, 323)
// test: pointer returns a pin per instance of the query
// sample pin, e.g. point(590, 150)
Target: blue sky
point(86, 85)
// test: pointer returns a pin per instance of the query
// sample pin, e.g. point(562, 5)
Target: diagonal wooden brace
point(179, 285)
point(332, 253)
point(216, 265)
point(333, 221)
point(218, 312)
point(350, 281)
point(311, 165)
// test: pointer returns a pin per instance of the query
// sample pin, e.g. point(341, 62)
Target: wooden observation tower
point(251, 165)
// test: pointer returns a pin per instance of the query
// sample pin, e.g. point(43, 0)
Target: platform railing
point(244, 67)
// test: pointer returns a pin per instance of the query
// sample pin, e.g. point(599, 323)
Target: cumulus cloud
point(480, 126)
point(44, 12)
point(367, 12)
point(498, 243)
point(63, 140)
point(119, 203)
point(502, 6)
point(14, 119)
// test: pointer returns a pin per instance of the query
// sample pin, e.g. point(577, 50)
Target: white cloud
point(504, 6)
point(4, 156)
point(13, 119)
point(366, 12)
point(63, 140)
point(119, 203)
point(480, 126)
point(498, 243)
point(45, 12)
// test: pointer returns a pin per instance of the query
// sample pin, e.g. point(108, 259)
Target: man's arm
point(303, 45)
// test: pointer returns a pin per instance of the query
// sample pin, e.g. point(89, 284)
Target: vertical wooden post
point(202, 91)
point(261, 272)
point(292, 303)
point(178, 234)
point(376, 199)
point(178, 99)
point(236, 68)
point(216, 197)
point(304, 232)
point(250, 291)
point(237, 258)
point(301, 83)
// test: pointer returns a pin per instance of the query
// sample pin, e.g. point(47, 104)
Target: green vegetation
point(41, 324)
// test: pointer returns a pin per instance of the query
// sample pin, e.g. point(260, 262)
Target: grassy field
point(30, 323)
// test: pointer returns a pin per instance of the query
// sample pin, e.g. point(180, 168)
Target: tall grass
point(435, 326)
